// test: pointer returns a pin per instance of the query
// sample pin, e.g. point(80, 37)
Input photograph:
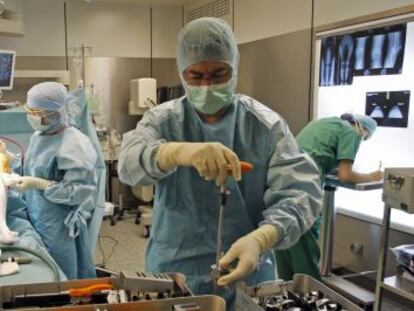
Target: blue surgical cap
point(47, 96)
point(367, 122)
point(206, 39)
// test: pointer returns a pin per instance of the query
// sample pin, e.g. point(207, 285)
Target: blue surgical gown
point(61, 212)
point(283, 189)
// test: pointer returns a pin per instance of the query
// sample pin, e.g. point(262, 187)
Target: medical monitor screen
point(7, 60)
point(388, 108)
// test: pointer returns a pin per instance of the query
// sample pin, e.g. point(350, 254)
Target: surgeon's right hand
point(24, 183)
point(211, 160)
point(376, 176)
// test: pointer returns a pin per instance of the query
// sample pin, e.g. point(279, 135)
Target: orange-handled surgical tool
point(89, 290)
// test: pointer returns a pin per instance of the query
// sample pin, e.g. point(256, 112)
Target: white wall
point(166, 23)
point(44, 30)
point(255, 20)
point(113, 30)
point(11, 21)
point(393, 146)
point(195, 4)
point(330, 11)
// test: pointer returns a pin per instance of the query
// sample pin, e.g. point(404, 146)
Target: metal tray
point(8, 291)
point(300, 284)
point(206, 303)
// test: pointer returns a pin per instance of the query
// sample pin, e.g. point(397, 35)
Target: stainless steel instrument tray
point(300, 284)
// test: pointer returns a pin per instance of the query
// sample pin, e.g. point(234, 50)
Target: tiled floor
point(126, 244)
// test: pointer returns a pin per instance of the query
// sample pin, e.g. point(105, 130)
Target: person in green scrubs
point(333, 144)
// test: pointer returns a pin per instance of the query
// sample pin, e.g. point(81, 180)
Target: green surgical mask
point(210, 99)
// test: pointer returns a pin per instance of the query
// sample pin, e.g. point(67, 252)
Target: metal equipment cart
point(398, 193)
point(355, 293)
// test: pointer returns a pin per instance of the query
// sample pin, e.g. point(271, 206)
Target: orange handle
point(245, 167)
point(89, 290)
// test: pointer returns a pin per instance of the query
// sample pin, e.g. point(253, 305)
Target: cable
point(102, 252)
point(105, 259)
point(53, 266)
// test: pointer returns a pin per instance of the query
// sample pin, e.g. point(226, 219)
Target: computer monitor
point(7, 61)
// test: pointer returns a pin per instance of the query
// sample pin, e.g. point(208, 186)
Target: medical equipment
point(348, 289)
point(398, 194)
point(404, 256)
point(52, 265)
point(129, 291)
point(217, 271)
point(7, 62)
point(143, 95)
point(10, 105)
point(399, 189)
point(302, 293)
point(22, 260)
point(80, 53)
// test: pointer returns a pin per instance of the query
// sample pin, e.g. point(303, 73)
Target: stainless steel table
point(357, 294)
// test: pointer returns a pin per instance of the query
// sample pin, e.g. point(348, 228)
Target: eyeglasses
point(45, 115)
point(39, 113)
point(196, 78)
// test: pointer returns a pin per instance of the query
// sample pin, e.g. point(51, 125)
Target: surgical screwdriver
point(245, 168)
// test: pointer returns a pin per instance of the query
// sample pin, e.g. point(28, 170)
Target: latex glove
point(247, 250)
point(24, 183)
point(211, 160)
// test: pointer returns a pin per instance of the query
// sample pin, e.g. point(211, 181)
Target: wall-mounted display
point(378, 51)
point(388, 108)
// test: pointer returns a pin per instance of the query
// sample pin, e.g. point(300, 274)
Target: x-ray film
point(379, 51)
point(388, 108)
point(328, 62)
point(337, 59)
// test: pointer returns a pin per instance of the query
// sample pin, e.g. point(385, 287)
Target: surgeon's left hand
point(24, 183)
point(247, 249)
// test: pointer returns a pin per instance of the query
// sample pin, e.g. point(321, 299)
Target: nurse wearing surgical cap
point(333, 143)
point(60, 181)
point(186, 146)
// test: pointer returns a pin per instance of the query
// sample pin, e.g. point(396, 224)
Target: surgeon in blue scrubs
point(185, 146)
point(60, 185)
